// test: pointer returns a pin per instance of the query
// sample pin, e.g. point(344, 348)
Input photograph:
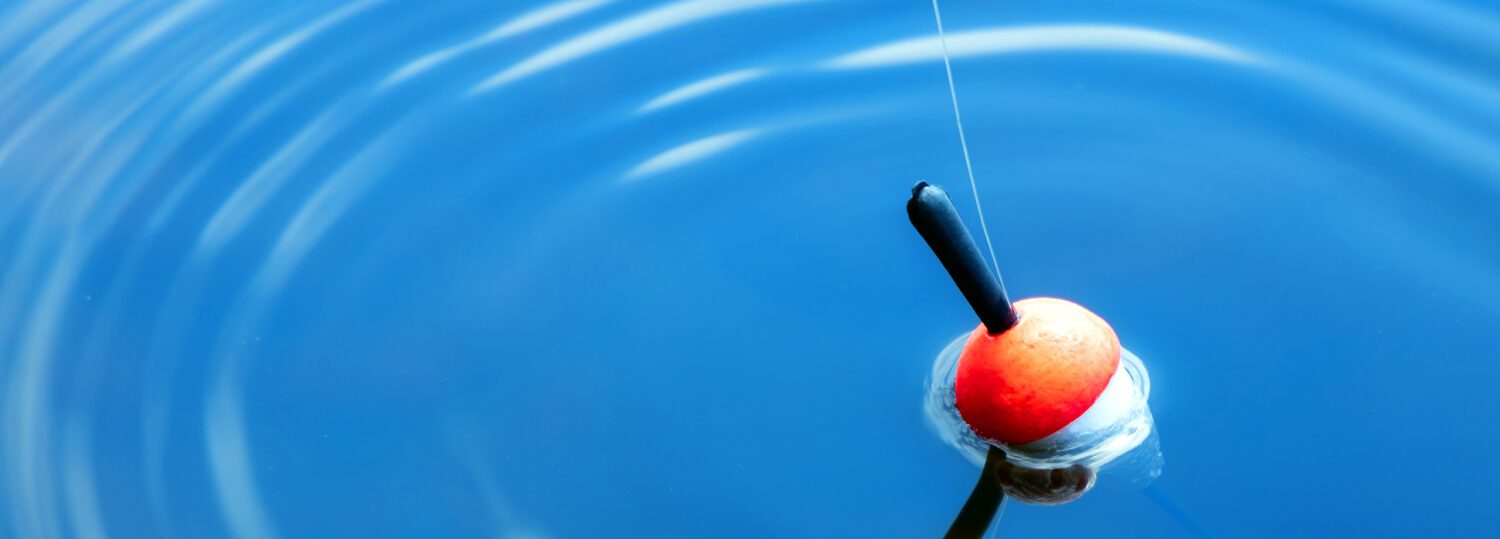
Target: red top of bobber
point(1030, 381)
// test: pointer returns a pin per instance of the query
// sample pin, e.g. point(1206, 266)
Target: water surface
point(594, 268)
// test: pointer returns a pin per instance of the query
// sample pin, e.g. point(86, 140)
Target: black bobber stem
point(935, 218)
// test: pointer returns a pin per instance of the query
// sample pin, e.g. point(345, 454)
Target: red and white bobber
point(1041, 389)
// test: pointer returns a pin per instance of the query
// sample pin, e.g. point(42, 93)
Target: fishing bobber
point(1039, 376)
point(1042, 388)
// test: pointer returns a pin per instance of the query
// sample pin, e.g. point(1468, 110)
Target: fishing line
point(963, 143)
point(999, 515)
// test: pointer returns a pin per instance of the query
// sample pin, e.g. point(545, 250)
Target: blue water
point(620, 269)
